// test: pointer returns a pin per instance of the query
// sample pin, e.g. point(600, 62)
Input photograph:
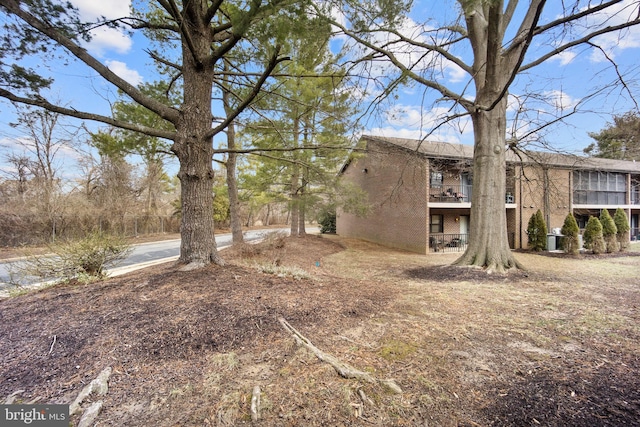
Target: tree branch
point(167, 113)
point(528, 27)
point(251, 96)
point(184, 29)
point(577, 42)
point(405, 70)
point(43, 103)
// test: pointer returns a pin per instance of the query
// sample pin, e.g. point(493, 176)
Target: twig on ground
point(55, 337)
point(343, 369)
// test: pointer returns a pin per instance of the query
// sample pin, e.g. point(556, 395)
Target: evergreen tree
point(309, 112)
point(622, 226)
point(570, 230)
point(620, 140)
point(186, 41)
point(537, 231)
point(593, 236)
point(609, 231)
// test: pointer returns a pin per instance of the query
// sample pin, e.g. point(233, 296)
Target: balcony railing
point(441, 242)
point(460, 194)
point(448, 242)
point(450, 193)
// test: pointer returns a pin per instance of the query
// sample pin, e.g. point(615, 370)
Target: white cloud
point(565, 57)
point(92, 9)
point(405, 121)
point(560, 100)
point(614, 43)
point(108, 39)
point(105, 39)
point(456, 74)
point(121, 69)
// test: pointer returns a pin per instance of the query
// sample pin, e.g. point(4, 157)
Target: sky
point(558, 85)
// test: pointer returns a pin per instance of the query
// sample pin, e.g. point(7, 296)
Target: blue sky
point(561, 81)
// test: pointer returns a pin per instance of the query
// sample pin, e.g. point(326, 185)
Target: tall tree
point(152, 150)
point(308, 111)
point(493, 42)
point(619, 140)
point(47, 142)
point(204, 31)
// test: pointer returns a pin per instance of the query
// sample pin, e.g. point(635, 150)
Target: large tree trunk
point(194, 148)
point(488, 239)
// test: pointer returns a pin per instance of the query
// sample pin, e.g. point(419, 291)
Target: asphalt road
point(141, 256)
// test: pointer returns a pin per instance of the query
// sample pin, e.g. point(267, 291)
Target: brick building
point(419, 193)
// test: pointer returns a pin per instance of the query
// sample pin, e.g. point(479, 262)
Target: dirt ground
point(556, 345)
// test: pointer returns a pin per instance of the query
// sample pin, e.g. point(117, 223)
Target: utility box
point(553, 242)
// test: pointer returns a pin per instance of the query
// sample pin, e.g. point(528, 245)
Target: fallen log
point(343, 369)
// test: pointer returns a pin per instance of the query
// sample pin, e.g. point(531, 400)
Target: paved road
point(141, 256)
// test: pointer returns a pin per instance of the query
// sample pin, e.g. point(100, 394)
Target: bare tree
point(491, 43)
point(44, 143)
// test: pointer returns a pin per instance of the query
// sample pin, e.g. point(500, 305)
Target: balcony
point(440, 242)
point(460, 194)
point(450, 194)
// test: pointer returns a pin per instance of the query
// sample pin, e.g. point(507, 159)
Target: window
point(436, 180)
point(602, 188)
point(436, 224)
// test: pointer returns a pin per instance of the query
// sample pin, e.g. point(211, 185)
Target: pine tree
point(537, 231)
point(609, 231)
point(570, 230)
point(593, 236)
point(622, 226)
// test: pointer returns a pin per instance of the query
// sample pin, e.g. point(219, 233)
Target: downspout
point(546, 204)
point(520, 205)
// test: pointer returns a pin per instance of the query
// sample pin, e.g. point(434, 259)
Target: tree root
point(343, 369)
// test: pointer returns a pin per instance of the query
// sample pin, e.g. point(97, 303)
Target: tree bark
point(488, 239)
point(295, 199)
point(193, 145)
point(295, 179)
point(302, 204)
point(232, 185)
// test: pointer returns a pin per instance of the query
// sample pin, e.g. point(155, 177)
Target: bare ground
point(555, 345)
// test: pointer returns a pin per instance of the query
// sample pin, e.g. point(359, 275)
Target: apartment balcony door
point(464, 224)
point(466, 184)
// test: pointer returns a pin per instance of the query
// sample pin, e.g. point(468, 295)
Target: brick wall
point(396, 181)
point(555, 205)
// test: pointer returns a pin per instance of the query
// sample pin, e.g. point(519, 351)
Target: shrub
point(570, 230)
point(85, 258)
point(327, 221)
point(622, 226)
point(537, 232)
point(593, 236)
point(609, 231)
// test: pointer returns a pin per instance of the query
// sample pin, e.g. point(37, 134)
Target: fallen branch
point(343, 369)
point(55, 337)
point(255, 404)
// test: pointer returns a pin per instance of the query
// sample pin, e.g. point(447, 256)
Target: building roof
point(445, 150)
